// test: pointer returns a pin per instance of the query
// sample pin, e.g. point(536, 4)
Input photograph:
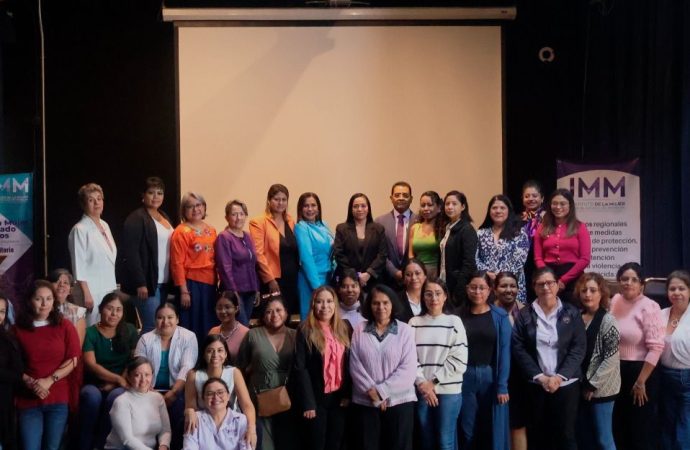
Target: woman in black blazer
point(458, 246)
point(550, 360)
point(145, 253)
point(360, 243)
point(321, 376)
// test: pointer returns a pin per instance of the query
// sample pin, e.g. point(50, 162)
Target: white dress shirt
point(547, 342)
point(182, 357)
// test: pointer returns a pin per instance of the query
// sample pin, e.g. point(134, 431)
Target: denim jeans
point(438, 425)
point(478, 395)
point(147, 308)
point(675, 408)
point(41, 428)
point(246, 307)
point(94, 415)
point(595, 426)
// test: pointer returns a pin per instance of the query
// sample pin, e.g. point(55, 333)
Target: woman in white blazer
point(93, 251)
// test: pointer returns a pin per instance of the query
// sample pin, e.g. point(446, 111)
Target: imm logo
point(599, 187)
point(15, 185)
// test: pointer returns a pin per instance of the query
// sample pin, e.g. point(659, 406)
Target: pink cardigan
point(557, 248)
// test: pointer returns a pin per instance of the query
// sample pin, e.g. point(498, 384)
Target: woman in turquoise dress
point(314, 242)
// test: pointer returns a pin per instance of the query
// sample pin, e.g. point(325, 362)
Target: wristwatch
point(435, 381)
point(55, 378)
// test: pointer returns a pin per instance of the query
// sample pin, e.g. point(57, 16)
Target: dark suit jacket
point(138, 256)
point(460, 260)
point(572, 342)
point(307, 375)
point(405, 313)
point(346, 249)
point(395, 260)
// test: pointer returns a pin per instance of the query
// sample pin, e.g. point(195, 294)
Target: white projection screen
point(338, 110)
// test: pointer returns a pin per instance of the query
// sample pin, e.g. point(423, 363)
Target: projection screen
point(338, 110)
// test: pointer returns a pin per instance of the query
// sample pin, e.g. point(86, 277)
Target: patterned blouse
point(506, 255)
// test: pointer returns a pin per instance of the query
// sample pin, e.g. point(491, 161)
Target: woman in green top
point(265, 357)
point(424, 234)
point(108, 346)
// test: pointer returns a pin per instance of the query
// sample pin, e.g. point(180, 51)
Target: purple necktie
point(400, 235)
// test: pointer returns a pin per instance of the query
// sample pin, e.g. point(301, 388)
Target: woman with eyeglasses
point(562, 242)
point(193, 266)
point(213, 364)
point(635, 424)
point(549, 345)
point(220, 427)
point(442, 360)
point(484, 413)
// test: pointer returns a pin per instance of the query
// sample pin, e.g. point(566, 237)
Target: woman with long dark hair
point(484, 414)
point(50, 346)
point(213, 363)
point(442, 360)
point(562, 242)
point(360, 243)
point(315, 244)
point(276, 247)
point(424, 235)
point(458, 246)
point(503, 243)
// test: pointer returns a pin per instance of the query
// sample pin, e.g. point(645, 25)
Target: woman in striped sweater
point(442, 360)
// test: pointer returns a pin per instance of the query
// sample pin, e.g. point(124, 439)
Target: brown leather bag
point(273, 401)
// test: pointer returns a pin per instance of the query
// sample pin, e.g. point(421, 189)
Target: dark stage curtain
point(620, 89)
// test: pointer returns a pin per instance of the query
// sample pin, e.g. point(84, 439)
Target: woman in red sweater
point(562, 242)
point(50, 346)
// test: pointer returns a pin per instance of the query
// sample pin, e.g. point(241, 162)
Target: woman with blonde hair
point(93, 251)
point(321, 371)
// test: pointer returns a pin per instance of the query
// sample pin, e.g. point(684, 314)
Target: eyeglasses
point(629, 280)
point(194, 206)
point(219, 393)
point(546, 284)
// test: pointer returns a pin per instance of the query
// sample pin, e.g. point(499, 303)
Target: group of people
point(417, 331)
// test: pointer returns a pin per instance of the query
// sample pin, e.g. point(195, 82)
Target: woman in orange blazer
point(277, 256)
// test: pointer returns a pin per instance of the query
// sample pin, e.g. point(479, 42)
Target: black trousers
point(326, 430)
point(384, 430)
point(636, 427)
point(551, 425)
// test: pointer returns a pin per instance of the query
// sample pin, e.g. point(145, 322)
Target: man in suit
point(397, 224)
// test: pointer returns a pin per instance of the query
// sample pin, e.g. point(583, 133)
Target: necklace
point(229, 335)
